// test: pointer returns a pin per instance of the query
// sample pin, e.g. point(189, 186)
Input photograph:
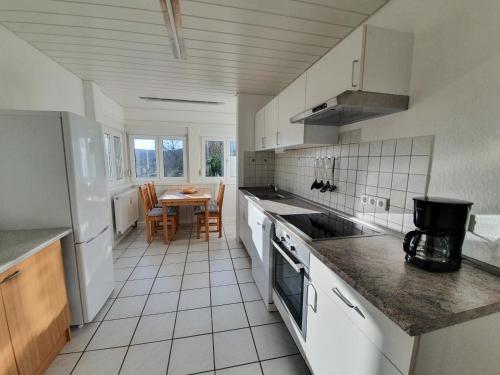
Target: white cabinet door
point(334, 345)
point(292, 100)
point(260, 128)
point(272, 116)
point(337, 71)
point(243, 228)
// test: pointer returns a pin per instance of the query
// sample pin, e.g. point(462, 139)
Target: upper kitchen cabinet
point(370, 59)
point(271, 129)
point(260, 129)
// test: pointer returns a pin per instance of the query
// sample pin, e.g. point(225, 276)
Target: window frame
point(159, 157)
point(225, 177)
point(113, 179)
point(184, 158)
point(117, 177)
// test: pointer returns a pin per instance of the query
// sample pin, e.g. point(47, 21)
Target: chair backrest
point(220, 196)
point(145, 200)
point(152, 193)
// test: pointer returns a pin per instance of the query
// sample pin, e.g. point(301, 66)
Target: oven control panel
point(292, 243)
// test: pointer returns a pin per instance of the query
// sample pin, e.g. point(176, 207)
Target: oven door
point(290, 283)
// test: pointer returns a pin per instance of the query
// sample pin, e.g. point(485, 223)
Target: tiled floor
point(188, 308)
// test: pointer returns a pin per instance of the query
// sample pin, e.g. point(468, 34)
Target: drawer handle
point(315, 306)
point(347, 302)
point(11, 276)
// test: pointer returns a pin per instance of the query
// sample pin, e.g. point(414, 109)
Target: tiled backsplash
point(259, 168)
point(396, 169)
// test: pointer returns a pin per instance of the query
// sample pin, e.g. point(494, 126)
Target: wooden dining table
point(172, 197)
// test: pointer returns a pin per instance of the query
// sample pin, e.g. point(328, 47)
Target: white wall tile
point(389, 147)
point(422, 145)
point(400, 181)
point(403, 146)
point(419, 164)
point(401, 164)
point(386, 163)
point(416, 183)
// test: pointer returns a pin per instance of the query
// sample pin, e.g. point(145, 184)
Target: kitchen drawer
point(390, 339)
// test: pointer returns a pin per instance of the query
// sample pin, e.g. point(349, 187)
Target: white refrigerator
point(53, 164)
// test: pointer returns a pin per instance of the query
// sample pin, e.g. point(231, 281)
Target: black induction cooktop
point(322, 226)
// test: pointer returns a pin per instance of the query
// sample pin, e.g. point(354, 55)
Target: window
point(173, 157)
point(214, 158)
point(145, 157)
point(233, 158)
point(117, 146)
point(107, 157)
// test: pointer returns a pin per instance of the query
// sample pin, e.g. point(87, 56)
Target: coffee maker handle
point(408, 246)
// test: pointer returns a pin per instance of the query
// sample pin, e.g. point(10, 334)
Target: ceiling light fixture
point(171, 10)
point(155, 99)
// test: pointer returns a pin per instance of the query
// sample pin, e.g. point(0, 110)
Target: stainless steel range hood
point(352, 106)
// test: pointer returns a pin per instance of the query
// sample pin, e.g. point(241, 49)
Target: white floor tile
point(219, 254)
point(221, 265)
point(197, 256)
point(104, 310)
point(118, 287)
point(136, 288)
point(148, 272)
point(161, 303)
point(244, 276)
point(126, 307)
point(156, 251)
point(63, 364)
point(154, 328)
point(80, 337)
point(167, 284)
point(223, 278)
point(241, 263)
point(250, 292)
point(257, 314)
point(196, 267)
point(194, 299)
point(133, 253)
point(173, 269)
point(198, 246)
point(193, 322)
point(151, 260)
point(291, 365)
point(195, 281)
point(122, 274)
point(100, 362)
point(234, 348)
point(218, 245)
point(113, 333)
point(147, 359)
point(191, 355)
point(222, 295)
point(127, 262)
point(174, 258)
point(273, 340)
point(251, 369)
point(228, 317)
point(238, 253)
point(177, 249)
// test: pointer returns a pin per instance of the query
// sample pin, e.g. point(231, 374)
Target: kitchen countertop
point(17, 245)
point(416, 300)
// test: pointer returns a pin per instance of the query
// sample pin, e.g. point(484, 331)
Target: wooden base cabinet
point(35, 307)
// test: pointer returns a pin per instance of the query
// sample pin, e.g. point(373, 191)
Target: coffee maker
point(437, 243)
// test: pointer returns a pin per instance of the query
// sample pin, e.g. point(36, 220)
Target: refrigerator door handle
point(93, 238)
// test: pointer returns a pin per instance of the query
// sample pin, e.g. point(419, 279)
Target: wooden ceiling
point(251, 46)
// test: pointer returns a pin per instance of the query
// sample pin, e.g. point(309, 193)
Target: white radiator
point(126, 207)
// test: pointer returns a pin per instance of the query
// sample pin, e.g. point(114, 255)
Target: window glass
point(233, 157)
point(117, 145)
point(145, 158)
point(214, 158)
point(107, 157)
point(173, 157)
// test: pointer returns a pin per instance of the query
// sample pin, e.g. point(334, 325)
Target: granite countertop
point(17, 245)
point(416, 300)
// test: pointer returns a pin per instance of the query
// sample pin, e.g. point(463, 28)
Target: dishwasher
point(262, 231)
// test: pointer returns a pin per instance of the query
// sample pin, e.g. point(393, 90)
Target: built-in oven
point(291, 279)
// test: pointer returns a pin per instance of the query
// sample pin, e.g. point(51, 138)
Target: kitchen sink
point(267, 194)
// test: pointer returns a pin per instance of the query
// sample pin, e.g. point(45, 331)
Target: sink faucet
point(274, 187)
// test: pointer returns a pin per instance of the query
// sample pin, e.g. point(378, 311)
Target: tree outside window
point(214, 158)
point(173, 157)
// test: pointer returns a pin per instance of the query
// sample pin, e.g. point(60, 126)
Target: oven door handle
point(295, 266)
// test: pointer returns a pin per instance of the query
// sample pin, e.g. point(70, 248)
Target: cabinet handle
point(347, 302)
point(277, 138)
point(315, 307)
point(354, 62)
point(263, 142)
point(11, 276)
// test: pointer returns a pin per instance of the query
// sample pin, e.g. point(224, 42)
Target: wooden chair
point(153, 216)
point(152, 194)
point(214, 214)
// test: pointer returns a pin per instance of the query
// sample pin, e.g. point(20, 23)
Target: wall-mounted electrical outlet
point(372, 201)
point(364, 199)
point(383, 203)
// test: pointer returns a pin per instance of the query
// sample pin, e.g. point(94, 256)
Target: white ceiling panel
point(231, 46)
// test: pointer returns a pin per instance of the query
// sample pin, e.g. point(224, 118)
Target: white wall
point(29, 80)
point(454, 94)
point(248, 104)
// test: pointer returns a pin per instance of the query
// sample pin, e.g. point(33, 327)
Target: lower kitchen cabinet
point(35, 311)
point(7, 359)
point(335, 345)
